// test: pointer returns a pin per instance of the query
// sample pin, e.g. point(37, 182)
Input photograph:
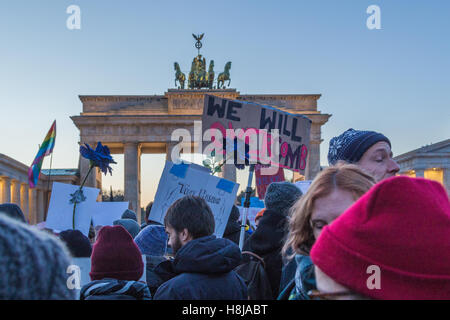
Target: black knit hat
point(77, 243)
point(352, 144)
point(12, 210)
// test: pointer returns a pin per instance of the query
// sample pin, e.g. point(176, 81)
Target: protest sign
point(108, 212)
point(185, 179)
point(264, 180)
point(60, 210)
point(293, 129)
point(303, 185)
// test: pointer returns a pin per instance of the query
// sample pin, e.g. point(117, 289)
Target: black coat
point(233, 232)
point(203, 270)
point(267, 242)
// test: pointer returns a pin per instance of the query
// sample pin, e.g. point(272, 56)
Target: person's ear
point(185, 236)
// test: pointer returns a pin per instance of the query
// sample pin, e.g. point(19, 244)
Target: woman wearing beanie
point(269, 237)
point(116, 267)
point(369, 150)
point(330, 194)
point(393, 243)
point(152, 242)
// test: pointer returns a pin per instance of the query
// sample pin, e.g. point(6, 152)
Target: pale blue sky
point(394, 80)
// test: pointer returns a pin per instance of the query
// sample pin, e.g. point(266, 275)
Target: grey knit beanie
point(33, 264)
point(281, 196)
point(130, 225)
point(128, 214)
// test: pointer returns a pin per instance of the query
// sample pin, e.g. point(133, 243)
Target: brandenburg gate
point(133, 125)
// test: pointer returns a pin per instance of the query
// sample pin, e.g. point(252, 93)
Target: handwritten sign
point(293, 130)
point(184, 179)
point(264, 180)
point(60, 210)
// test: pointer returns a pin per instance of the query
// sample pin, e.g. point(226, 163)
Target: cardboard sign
point(303, 185)
point(60, 210)
point(264, 180)
point(184, 179)
point(108, 212)
point(294, 129)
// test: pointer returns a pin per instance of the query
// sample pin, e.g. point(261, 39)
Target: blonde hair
point(348, 177)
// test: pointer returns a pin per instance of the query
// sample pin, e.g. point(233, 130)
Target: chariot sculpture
point(199, 77)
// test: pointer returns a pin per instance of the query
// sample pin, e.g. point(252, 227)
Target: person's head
point(280, 196)
point(393, 243)
point(33, 264)
point(259, 216)
point(130, 225)
point(129, 214)
point(77, 243)
point(148, 208)
point(368, 149)
point(152, 240)
point(188, 218)
point(12, 210)
point(333, 190)
point(115, 255)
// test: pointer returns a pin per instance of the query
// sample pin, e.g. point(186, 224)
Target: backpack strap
point(255, 256)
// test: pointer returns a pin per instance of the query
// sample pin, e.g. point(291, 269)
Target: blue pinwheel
point(100, 157)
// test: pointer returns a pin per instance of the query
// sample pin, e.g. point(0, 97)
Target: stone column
point(40, 206)
point(32, 204)
point(447, 180)
point(15, 192)
point(6, 189)
point(420, 173)
point(24, 200)
point(313, 162)
point(132, 183)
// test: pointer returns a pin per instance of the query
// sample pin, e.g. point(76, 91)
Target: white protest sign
point(303, 185)
point(252, 212)
point(60, 210)
point(184, 179)
point(108, 212)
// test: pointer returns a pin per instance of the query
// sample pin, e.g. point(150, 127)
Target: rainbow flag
point(45, 149)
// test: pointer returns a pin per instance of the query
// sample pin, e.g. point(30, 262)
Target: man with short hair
point(203, 264)
point(368, 149)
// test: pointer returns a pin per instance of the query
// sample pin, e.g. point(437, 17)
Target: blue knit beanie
point(152, 240)
point(130, 225)
point(352, 144)
point(128, 214)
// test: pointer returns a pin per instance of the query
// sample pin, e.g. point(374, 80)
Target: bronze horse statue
point(210, 74)
point(224, 76)
point(179, 76)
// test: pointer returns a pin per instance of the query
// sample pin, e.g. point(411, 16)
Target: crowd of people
point(359, 232)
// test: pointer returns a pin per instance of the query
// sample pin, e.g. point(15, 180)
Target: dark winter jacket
point(154, 280)
point(203, 270)
point(233, 232)
point(112, 289)
point(267, 242)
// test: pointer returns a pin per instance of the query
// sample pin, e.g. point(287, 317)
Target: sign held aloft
point(282, 138)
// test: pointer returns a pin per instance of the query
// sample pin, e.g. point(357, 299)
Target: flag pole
point(248, 193)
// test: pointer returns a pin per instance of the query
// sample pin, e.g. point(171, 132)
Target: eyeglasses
point(318, 295)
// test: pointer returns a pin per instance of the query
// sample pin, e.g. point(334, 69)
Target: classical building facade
point(133, 125)
point(33, 202)
point(430, 162)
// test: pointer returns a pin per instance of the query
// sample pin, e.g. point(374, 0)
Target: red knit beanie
point(402, 225)
point(116, 255)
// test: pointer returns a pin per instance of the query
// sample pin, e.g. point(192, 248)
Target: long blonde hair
point(348, 177)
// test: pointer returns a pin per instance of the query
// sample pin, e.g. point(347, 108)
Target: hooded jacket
point(203, 270)
point(267, 242)
point(112, 289)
